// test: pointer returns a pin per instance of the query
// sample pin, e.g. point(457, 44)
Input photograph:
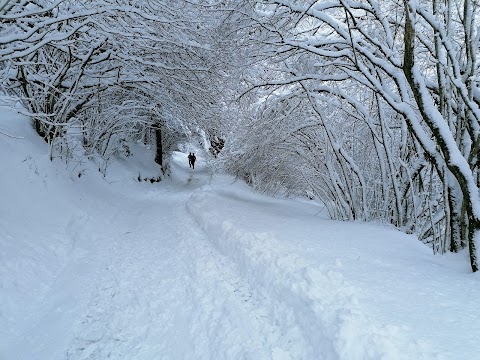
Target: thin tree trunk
point(159, 145)
point(465, 180)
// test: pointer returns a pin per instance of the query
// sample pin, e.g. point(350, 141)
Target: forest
point(370, 106)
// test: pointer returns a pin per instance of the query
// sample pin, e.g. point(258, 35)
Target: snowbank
point(317, 309)
point(48, 220)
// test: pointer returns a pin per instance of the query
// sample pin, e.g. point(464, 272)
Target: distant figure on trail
point(190, 162)
point(193, 158)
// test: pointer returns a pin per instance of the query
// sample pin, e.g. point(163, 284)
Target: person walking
point(190, 159)
point(193, 160)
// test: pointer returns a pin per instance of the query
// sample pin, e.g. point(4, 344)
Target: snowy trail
point(140, 295)
point(143, 282)
point(201, 268)
point(343, 290)
point(165, 293)
point(187, 271)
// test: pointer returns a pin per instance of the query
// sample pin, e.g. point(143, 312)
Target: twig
point(11, 136)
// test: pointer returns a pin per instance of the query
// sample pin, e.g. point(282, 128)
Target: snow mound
point(317, 309)
point(48, 214)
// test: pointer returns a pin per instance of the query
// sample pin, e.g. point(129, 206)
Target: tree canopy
point(370, 106)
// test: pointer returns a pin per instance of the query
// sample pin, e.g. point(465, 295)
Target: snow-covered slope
point(202, 268)
point(347, 290)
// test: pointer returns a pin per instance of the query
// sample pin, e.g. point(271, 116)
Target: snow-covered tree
point(110, 68)
point(392, 86)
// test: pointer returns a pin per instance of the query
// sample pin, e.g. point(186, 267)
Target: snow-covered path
point(120, 270)
point(195, 268)
point(126, 273)
point(142, 302)
point(143, 282)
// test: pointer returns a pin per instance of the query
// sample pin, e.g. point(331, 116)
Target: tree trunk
point(455, 220)
point(159, 146)
point(463, 178)
point(473, 234)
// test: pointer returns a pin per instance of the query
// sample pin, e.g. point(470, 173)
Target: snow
point(201, 267)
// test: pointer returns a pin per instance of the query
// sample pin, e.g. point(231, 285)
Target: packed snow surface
point(201, 267)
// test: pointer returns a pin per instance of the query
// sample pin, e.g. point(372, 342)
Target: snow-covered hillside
point(202, 268)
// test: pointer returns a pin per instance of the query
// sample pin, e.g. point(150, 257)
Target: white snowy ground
point(201, 268)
